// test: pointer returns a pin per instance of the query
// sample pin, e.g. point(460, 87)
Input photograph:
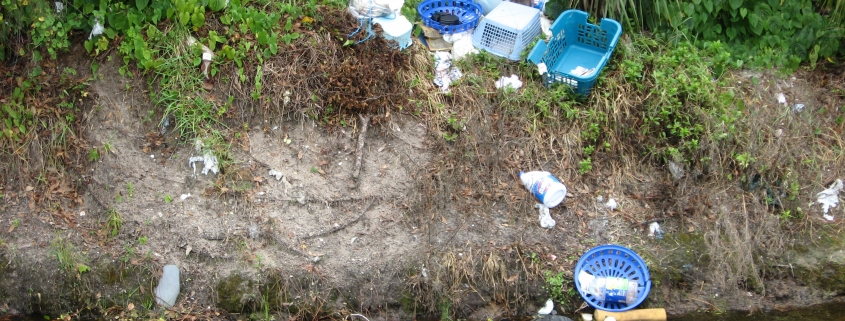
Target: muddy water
point(828, 312)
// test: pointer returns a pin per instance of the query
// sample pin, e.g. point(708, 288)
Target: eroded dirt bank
point(431, 227)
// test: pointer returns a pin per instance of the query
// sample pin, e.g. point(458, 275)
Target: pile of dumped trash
point(507, 29)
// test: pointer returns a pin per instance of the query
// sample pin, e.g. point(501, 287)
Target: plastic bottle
point(609, 289)
point(545, 187)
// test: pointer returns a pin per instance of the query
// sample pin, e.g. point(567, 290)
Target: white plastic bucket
point(545, 187)
point(488, 5)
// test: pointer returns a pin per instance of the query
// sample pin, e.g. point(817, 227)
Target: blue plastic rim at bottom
point(614, 261)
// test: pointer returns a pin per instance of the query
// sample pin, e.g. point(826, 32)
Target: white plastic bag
point(374, 8)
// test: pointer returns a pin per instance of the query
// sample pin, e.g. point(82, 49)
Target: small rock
point(168, 286)
point(676, 170)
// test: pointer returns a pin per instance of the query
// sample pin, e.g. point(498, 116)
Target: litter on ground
point(548, 308)
point(512, 82)
point(611, 204)
point(655, 231)
point(277, 174)
point(781, 98)
point(546, 220)
point(445, 73)
point(830, 198)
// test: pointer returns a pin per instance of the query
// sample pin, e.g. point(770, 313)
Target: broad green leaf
point(743, 12)
point(731, 33)
point(735, 4)
point(753, 20)
point(184, 18)
point(217, 5)
point(708, 4)
point(689, 9)
point(262, 37)
point(288, 25)
point(198, 19)
point(141, 4)
point(118, 21)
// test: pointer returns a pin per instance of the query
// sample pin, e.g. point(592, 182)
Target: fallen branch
point(347, 224)
point(359, 153)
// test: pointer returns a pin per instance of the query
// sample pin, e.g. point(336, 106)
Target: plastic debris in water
point(830, 198)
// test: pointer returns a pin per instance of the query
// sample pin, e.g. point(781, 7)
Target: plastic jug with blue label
point(544, 186)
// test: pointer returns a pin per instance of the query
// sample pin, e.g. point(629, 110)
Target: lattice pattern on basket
point(556, 46)
point(532, 32)
point(467, 12)
point(614, 263)
point(593, 36)
point(498, 39)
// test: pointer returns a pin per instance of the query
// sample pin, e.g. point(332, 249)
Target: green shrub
point(764, 33)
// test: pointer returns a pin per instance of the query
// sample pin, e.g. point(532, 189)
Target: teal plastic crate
point(576, 43)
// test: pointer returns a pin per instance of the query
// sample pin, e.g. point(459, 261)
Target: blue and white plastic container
point(545, 187)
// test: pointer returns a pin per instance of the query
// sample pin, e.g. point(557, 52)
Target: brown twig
point(359, 153)
point(340, 227)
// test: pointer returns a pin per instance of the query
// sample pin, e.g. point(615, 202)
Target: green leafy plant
point(585, 165)
point(168, 198)
point(765, 33)
point(560, 288)
point(93, 155)
point(114, 222)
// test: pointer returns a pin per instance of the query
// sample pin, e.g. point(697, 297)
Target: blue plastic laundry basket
point(576, 43)
point(614, 261)
point(467, 11)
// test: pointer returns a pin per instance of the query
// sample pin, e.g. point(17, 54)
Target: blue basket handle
point(614, 30)
point(538, 52)
point(566, 17)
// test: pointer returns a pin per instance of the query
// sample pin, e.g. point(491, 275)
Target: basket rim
point(646, 276)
